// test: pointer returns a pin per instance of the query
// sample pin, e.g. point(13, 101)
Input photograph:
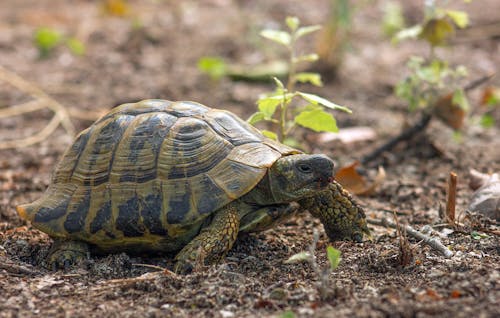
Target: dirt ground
point(124, 62)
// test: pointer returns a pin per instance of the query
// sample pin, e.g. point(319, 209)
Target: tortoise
point(162, 176)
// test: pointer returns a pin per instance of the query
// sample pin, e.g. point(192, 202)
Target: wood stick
point(431, 241)
point(451, 198)
point(36, 138)
point(406, 134)
point(20, 109)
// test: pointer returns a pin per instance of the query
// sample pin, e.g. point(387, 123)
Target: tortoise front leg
point(340, 214)
point(213, 242)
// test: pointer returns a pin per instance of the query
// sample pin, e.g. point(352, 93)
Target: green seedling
point(278, 107)
point(432, 85)
point(428, 81)
point(213, 66)
point(334, 258)
point(491, 101)
point(288, 314)
point(47, 40)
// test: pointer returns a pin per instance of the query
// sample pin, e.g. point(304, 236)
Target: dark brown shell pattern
point(151, 169)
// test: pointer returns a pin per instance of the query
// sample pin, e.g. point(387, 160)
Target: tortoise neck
point(262, 193)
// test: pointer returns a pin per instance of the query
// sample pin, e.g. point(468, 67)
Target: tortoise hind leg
point(213, 242)
point(63, 254)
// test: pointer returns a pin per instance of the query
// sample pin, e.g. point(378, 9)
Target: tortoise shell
point(151, 168)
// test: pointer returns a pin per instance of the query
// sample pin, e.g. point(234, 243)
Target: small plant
point(213, 66)
point(334, 258)
point(278, 108)
point(47, 39)
point(432, 84)
point(287, 314)
point(490, 101)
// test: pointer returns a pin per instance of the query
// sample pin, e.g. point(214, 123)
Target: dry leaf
point(455, 294)
point(118, 8)
point(451, 114)
point(355, 183)
point(489, 93)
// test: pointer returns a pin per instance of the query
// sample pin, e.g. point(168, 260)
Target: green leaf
point(292, 22)
point(317, 120)
point(270, 134)
point(478, 235)
point(460, 18)
point(46, 39)
point(306, 58)
point(298, 258)
point(460, 99)
point(333, 255)
point(277, 36)
point(268, 105)
point(487, 121)
point(279, 83)
point(76, 46)
point(215, 67)
point(288, 314)
point(306, 30)
point(408, 33)
point(317, 100)
point(437, 31)
point(256, 117)
point(313, 78)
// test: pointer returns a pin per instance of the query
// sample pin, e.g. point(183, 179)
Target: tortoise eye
point(305, 168)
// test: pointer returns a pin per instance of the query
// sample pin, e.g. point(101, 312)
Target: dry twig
point(451, 198)
point(40, 100)
point(61, 115)
point(431, 241)
point(12, 268)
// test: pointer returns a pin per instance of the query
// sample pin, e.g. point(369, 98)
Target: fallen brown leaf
point(451, 114)
point(355, 183)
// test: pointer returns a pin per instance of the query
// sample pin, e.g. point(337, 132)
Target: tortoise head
point(299, 176)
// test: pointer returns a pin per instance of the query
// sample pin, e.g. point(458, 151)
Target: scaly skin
point(213, 242)
point(340, 214)
point(64, 254)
